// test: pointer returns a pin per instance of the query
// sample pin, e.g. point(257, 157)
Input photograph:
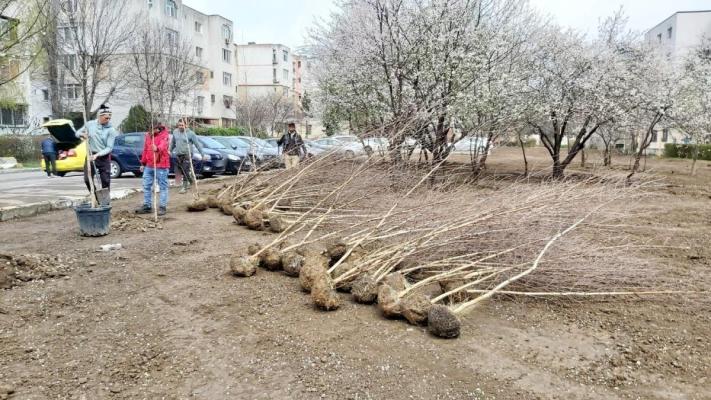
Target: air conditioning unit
point(227, 40)
point(228, 103)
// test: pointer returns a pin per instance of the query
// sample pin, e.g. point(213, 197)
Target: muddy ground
point(162, 319)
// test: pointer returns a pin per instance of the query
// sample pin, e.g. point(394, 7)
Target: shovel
point(103, 195)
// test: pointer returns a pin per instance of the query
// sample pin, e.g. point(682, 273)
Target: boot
point(162, 211)
point(145, 209)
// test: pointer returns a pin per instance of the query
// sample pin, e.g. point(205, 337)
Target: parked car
point(471, 144)
point(272, 142)
point(126, 158)
point(266, 155)
point(235, 162)
point(348, 149)
point(71, 150)
point(378, 145)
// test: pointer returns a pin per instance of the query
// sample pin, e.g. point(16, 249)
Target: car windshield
point(211, 143)
point(347, 139)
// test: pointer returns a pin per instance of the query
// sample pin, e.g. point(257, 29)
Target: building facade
point(264, 70)
point(677, 35)
point(210, 37)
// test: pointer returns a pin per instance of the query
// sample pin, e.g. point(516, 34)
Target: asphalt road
point(18, 188)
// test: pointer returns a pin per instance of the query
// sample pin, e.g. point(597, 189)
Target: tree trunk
point(525, 160)
point(558, 168)
point(582, 158)
point(695, 157)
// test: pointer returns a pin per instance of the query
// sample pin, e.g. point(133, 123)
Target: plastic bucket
point(93, 221)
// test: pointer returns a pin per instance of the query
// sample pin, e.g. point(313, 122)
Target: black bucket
point(93, 221)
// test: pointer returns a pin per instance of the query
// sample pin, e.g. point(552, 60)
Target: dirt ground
point(163, 319)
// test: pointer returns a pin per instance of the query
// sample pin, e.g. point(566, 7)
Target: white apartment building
point(211, 37)
point(678, 35)
point(264, 69)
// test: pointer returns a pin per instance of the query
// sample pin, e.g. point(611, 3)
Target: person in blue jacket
point(49, 153)
point(101, 136)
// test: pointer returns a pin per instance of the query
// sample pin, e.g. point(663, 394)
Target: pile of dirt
point(128, 221)
point(15, 269)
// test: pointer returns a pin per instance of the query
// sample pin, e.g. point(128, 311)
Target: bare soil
point(164, 318)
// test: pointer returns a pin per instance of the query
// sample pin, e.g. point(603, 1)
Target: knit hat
point(104, 109)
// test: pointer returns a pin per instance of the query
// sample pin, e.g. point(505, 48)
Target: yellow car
point(71, 150)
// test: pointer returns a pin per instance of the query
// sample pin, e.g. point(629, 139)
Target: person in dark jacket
point(292, 147)
point(49, 153)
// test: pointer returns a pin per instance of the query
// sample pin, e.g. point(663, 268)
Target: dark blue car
point(126, 157)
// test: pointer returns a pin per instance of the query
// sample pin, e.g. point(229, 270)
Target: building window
point(275, 76)
point(212, 75)
point(13, 116)
point(212, 98)
point(171, 9)
point(67, 33)
point(45, 94)
point(286, 55)
point(285, 74)
point(299, 64)
point(172, 37)
point(200, 104)
point(654, 136)
point(150, 3)
point(198, 27)
point(198, 52)
point(659, 37)
point(226, 33)
point(199, 77)
point(69, 61)
point(274, 58)
point(226, 79)
point(226, 56)
point(72, 91)
point(669, 33)
point(69, 6)
point(665, 135)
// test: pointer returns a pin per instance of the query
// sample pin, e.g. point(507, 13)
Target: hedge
point(23, 147)
point(217, 131)
point(672, 150)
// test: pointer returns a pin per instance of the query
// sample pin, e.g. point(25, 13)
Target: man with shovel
point(100, 136)
point(180, 146)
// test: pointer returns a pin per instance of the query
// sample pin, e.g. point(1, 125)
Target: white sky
point(286, 21)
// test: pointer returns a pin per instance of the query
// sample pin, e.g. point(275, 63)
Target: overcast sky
point(286, 21)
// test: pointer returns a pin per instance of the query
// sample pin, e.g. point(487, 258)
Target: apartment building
point(264, 69)
point(211, 39)
point(678, 35)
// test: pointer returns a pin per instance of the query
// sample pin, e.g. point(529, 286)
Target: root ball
point(292, 263)
point(243, 266)
point(197, 205)
point(253, 248)
point(309, 273)
point(212, 202)
point(396, 280)
point(323, 295)
point(337, 250)
point(389, 302)
point(238, 213)
point(442, 322)
point(226, 208)
point(415, 308)
point(270, 259)
point(254, 218)
point(345, 285)
point(277, 223)
point(364, 289)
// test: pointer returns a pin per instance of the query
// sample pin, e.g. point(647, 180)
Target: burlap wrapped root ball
point(389, 301)
point(451, 284)
point(238, 213)
point(442, 322)
point(253, 248)
point(292, 262)
point(415, 308)
point(336, 250)
point(254, 218)
point(270, 259)
point(312, 269)
point(226, 207)
point(396, 280)
point(345, 284)
point(277, 223)
point(198, 204)
point(243, 266)
point(322, 293)
point(364, 289)
point(212, 201)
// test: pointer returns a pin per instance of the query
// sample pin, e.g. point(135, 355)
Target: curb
point(18, 170)
point(30, 210)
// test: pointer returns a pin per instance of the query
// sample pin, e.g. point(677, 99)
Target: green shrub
point(217, 131)
point(138, 120)
point(23, 147)
point(672, 150)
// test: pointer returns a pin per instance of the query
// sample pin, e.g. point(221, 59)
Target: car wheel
point(368, 150)
point(350, 154)
point(207, 174)
point(115, 169)
point(61, 173)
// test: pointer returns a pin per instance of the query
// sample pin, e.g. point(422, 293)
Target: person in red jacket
point(155, 161)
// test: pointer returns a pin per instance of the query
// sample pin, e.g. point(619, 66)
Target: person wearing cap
point(155, 160)
point(183, 137)
point(292, 147)
point(101, 136)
